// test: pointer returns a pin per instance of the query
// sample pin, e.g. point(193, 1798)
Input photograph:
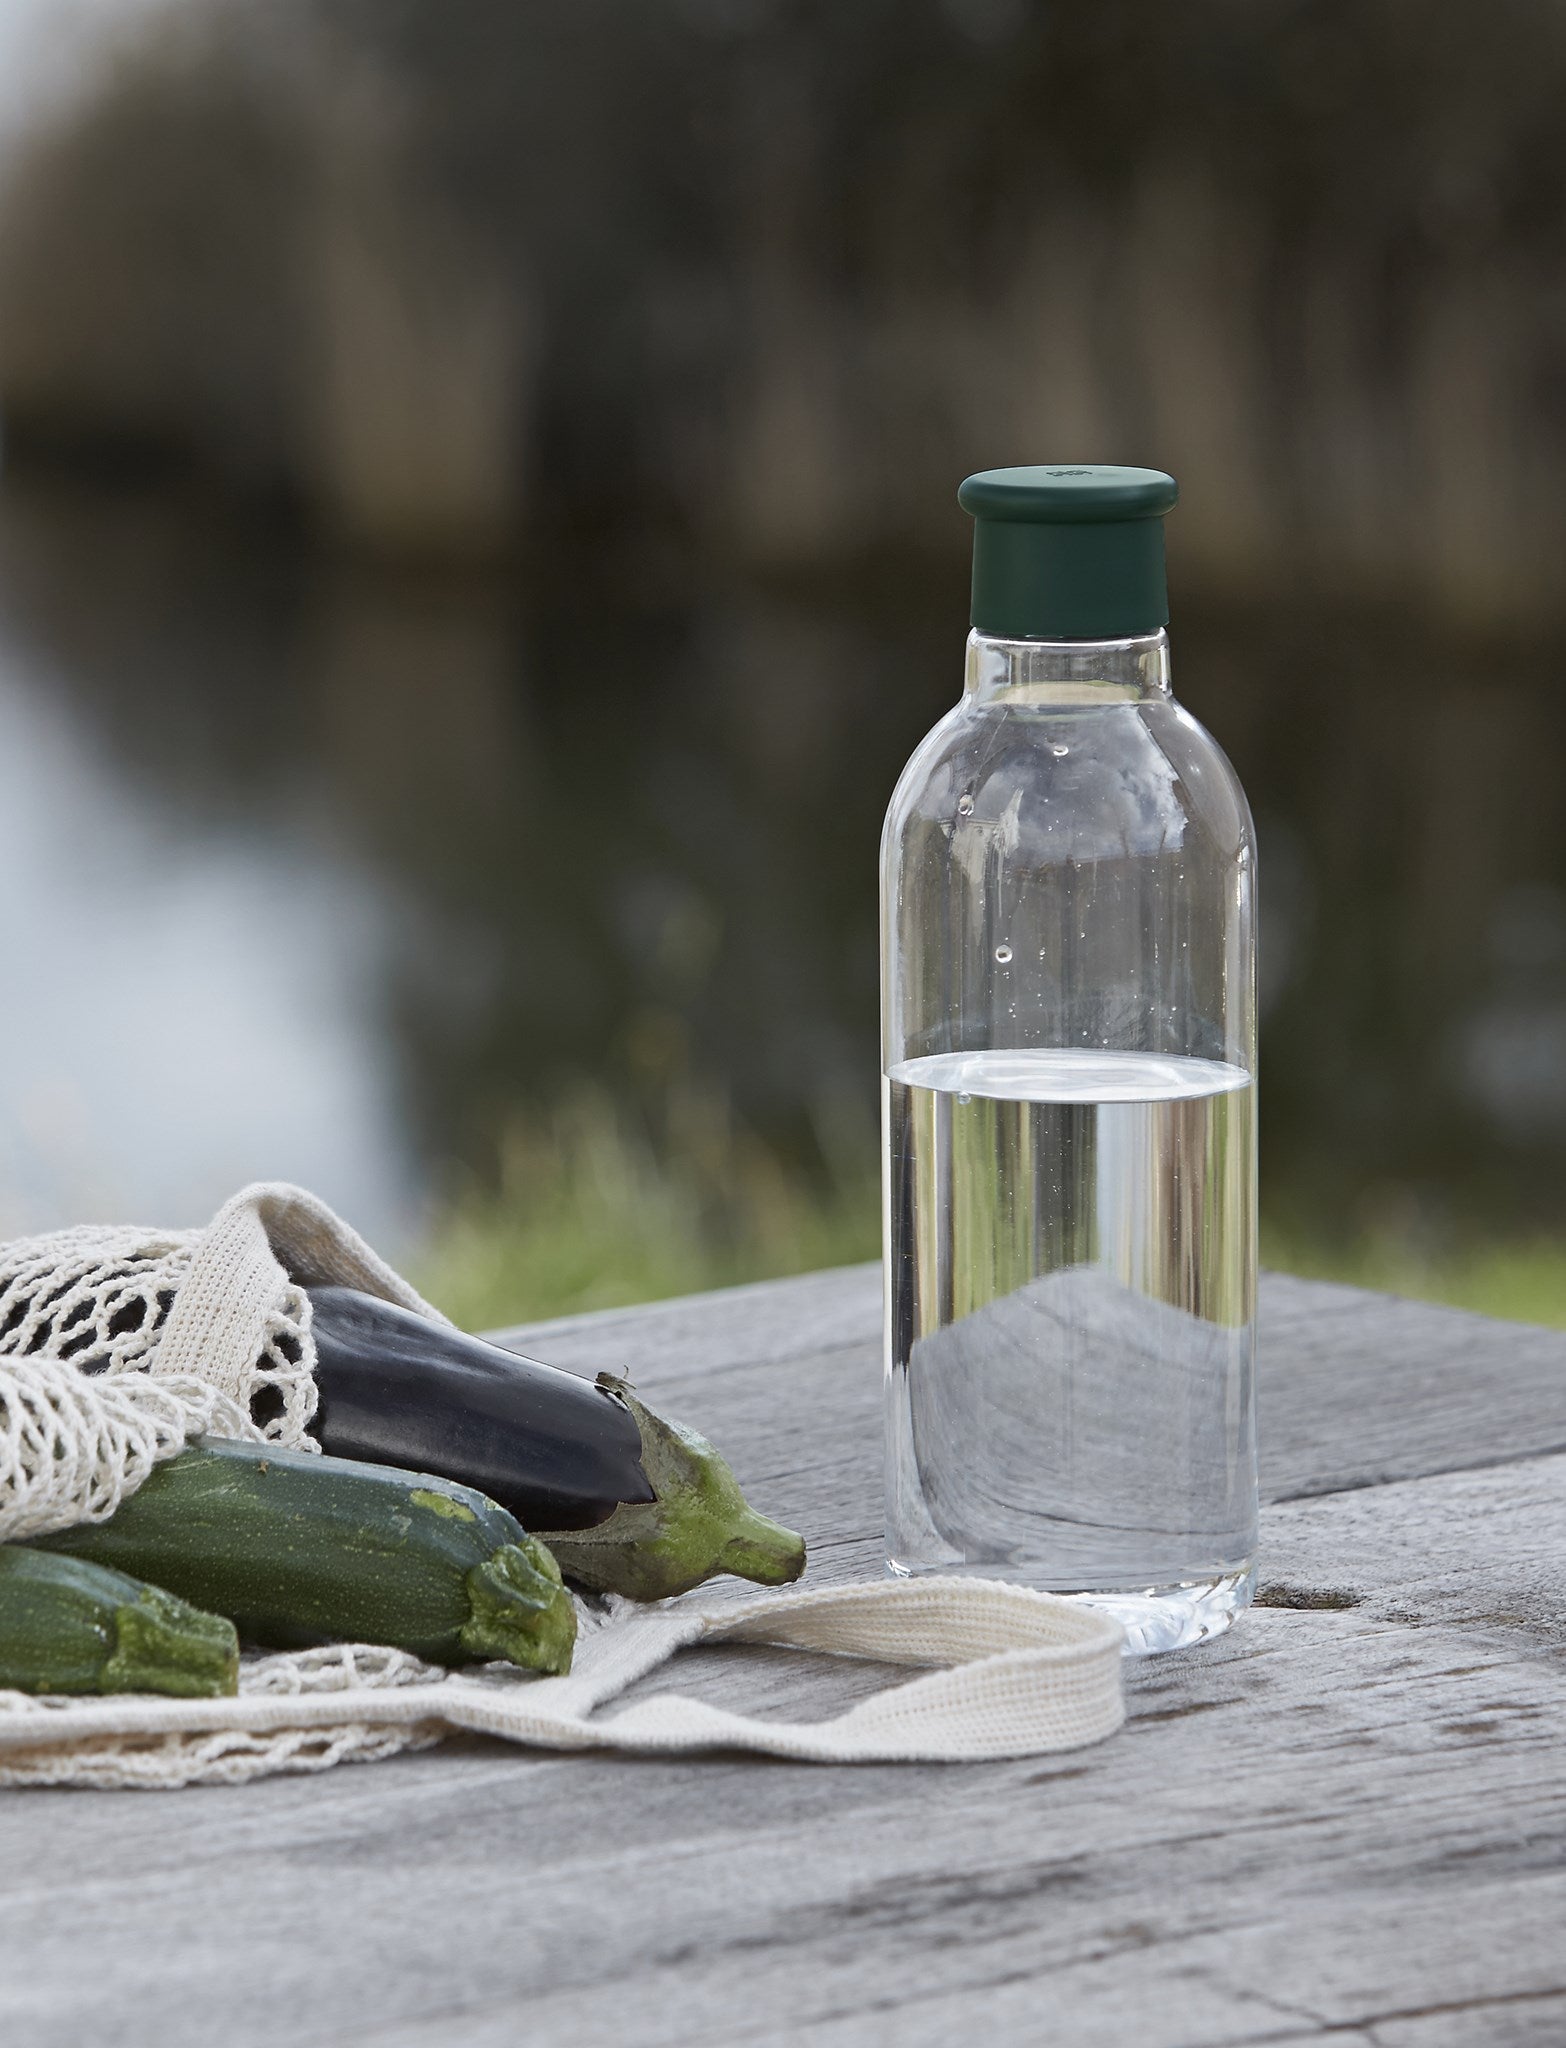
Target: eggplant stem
point(764, 1551)
point(698, 1524)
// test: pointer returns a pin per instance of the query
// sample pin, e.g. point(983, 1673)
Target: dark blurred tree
point(765, 277)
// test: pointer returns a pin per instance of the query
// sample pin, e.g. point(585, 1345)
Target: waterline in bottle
point(1071, 1327)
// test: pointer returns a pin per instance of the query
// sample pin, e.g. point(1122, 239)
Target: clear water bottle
point(1068, 921)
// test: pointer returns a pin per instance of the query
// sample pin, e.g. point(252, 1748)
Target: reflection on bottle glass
point(1072, 1282)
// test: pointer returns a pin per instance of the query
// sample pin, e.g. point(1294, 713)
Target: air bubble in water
point(1003, 955)
point(965, 805)
point(1060, 752)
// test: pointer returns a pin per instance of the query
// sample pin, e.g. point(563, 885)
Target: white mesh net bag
point(117, 1345)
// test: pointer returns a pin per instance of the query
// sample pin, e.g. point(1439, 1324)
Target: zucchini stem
point(163, 1645)
point(520, 1611)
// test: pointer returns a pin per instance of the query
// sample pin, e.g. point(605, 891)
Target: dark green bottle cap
point(1069, 553)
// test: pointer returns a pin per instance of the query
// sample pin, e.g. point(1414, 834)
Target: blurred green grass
point(590, 1210)
point(1523, 1281)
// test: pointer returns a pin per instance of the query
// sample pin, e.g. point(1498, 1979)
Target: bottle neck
point(1060, 672)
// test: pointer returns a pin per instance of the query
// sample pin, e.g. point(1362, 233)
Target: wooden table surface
point(1345, 1821)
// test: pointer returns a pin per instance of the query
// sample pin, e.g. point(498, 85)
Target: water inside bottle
point(1072, 1270)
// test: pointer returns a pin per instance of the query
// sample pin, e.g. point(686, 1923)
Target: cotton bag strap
point(1025, 1674)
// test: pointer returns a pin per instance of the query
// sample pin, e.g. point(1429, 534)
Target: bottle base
point(1155, 1618)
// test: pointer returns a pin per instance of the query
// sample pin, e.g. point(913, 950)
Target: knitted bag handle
point(1024, 1674)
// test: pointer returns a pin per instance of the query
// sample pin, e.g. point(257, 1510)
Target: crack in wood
point(1324, 1489)
point(1319, 2028)
point(1328, 1598)
point(1183, 1712)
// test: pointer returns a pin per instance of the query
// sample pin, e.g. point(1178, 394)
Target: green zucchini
point(68, 1626)
point(297, 1550)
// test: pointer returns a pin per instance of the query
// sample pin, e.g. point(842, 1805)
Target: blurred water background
point(478, 541)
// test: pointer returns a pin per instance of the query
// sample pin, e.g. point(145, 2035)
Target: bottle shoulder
point(1115, 780)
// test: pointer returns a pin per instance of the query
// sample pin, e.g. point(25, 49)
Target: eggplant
point(628, 1501)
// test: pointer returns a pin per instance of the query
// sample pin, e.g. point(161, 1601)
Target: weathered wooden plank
point(1338, 1823)
point(763, 1324)
point(1353, 1388)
